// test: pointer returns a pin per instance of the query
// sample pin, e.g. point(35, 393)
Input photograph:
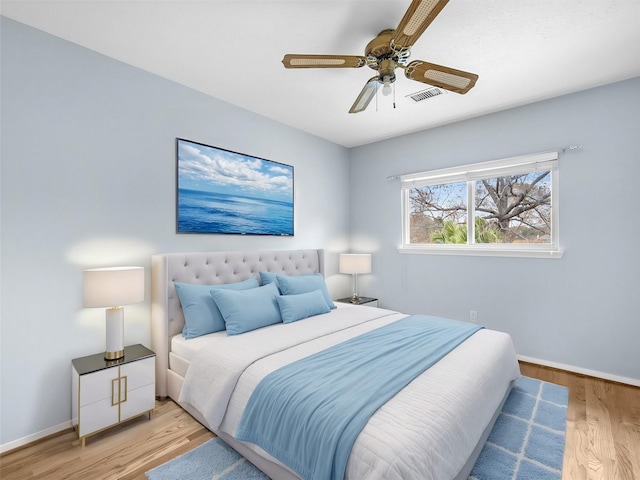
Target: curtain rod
point(561, 149)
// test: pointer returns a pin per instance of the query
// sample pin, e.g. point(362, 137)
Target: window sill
point(483, 252)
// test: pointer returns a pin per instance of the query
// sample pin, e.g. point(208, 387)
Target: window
point(506, 207)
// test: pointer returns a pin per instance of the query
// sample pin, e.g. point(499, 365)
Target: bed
point(434, 427)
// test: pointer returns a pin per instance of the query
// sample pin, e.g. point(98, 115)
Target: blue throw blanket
point(308, 414)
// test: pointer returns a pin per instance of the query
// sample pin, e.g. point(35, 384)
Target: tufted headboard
point(212, 268)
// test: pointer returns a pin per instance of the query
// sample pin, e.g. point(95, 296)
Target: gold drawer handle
point(117, 398)
point(114, 400)
point(126, 388)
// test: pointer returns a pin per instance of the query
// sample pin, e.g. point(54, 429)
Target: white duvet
point(427, 431)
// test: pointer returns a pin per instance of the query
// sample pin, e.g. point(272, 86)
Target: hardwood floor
point(124, 452)
point(602, 440)
point(603, 426)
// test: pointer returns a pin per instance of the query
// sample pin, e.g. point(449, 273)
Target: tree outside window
point(512, 209)
point(507, 203)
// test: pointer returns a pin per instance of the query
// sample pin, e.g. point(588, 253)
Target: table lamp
point(355, 264)
point(113, 287)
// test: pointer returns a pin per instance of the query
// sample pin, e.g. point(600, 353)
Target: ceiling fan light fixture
point(386, 85)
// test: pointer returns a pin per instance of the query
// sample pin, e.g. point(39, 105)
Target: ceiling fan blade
point(365, 96)
point(450, 79)
point(416, 19)
point(323, 61)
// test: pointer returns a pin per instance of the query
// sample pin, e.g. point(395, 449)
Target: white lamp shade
point(355, 263)
point(112, 286)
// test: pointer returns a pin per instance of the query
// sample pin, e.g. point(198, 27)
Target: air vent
point(426, 94)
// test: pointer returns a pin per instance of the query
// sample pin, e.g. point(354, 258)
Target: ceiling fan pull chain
point(394, 95)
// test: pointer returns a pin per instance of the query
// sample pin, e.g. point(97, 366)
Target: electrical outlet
point(473, 316)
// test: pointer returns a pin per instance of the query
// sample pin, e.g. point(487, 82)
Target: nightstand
point(108, 392)
point(368, 301)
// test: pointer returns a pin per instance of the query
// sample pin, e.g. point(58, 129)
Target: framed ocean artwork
point(226, 192)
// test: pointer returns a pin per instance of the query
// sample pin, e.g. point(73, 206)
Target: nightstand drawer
point(97, 386)
point(96, 416)
point(140, 373)
point(139, 400)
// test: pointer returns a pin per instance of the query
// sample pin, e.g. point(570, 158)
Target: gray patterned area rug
point(526, 443)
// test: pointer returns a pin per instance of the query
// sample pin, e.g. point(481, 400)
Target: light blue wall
point(582, 310)
point(88, 180)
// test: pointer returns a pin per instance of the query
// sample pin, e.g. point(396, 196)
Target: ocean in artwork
point(208, 212)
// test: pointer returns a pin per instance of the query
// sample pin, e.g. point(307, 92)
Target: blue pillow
point(267, 277)
point(201, 315)
point(302, 305)
point(248, 309)
point(295, 284)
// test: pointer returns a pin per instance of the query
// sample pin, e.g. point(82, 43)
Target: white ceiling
point(523, 51)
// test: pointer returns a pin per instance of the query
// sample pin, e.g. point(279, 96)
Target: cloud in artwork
point(211, 169)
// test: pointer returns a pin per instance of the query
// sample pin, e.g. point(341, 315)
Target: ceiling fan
point(391, 50)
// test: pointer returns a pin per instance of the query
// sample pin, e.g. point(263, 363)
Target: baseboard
point(34, 437)
point(583, 371)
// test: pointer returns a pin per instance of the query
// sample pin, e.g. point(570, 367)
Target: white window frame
point(508, 166)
